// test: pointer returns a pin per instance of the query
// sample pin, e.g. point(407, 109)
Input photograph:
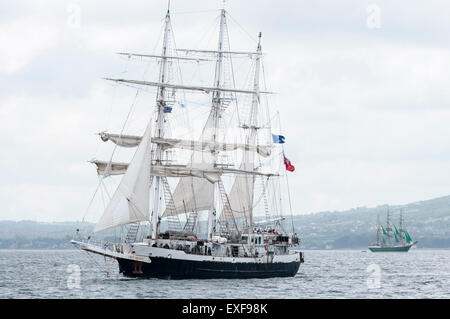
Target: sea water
point(420, 273)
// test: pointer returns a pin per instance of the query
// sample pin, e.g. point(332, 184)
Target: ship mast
point(378, 230)
point(401, 226)
point(216, 109)
point(388, 228)
point(160, 104)
point(254, 112)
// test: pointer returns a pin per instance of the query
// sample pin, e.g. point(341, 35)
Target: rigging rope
point(242, 28)
point(287, 181)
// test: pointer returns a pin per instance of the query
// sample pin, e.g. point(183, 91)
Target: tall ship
point(230, 180)
point(392, 239)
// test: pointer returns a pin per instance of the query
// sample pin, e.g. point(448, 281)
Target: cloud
point(23, 40)
point(47, 142)
point(365, 111)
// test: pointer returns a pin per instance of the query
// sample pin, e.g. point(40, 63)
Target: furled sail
point(210, 146)
point(121, 140)
point(211, 175)
point(104, 168)
point(167, 143)
point(130, 201)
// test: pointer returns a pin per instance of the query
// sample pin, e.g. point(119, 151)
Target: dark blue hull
point(187, 269)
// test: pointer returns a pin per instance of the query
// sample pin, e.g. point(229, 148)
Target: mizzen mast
point(242, 191)
point(254, 118)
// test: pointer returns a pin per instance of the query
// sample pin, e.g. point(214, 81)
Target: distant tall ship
point(235, 245)
point(392, 239)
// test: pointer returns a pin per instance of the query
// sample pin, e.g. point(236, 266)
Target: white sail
point(211, 175)
point(191, 194)
point(241, 194)
point(130, 202)
point(196, 194)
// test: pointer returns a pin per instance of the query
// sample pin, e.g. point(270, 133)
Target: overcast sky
point(362, 88)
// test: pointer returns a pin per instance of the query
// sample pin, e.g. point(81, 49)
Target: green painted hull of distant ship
point(377, 249)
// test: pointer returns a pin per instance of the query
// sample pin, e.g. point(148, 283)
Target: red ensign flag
point(289, 166)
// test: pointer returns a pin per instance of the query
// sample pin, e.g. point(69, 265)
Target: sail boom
point(246, 172)
point(269, 221)
point(161, 56)
point(216, 52)
point(186, 87)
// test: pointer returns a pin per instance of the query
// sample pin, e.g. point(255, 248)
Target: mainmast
point(161, 103)
point(217, 102)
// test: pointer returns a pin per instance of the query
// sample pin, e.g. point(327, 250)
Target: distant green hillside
point(427, 221)
point(34, 235)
